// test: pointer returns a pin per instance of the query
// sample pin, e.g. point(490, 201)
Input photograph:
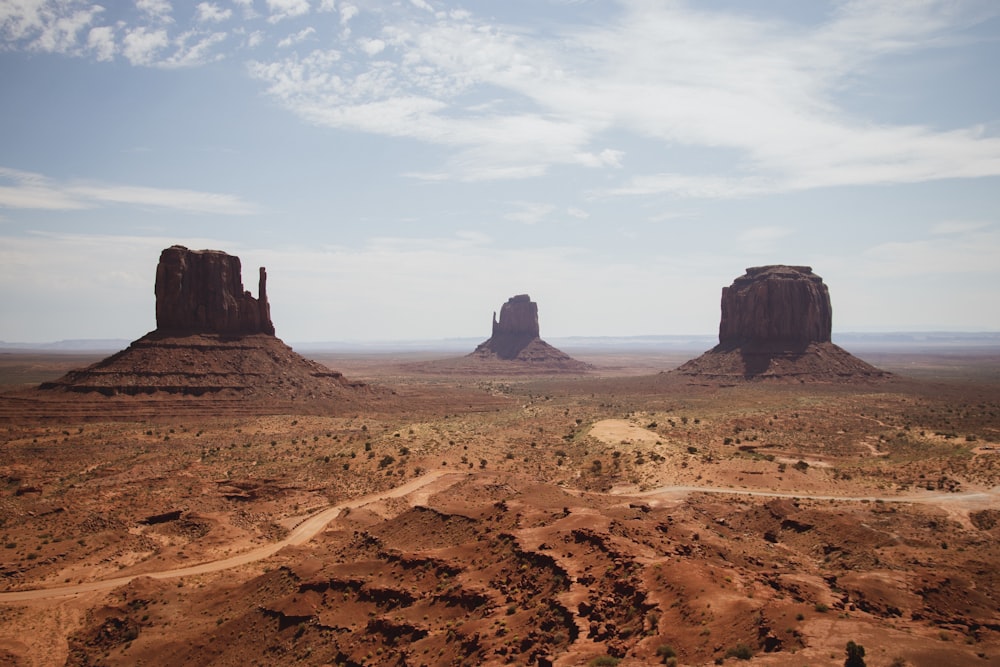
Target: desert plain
point(623, 515)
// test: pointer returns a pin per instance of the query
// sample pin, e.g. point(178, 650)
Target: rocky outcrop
point(776, 323)
point(778, 305)
point(518, 317)
point(516, 328)
point(213, 339)
point(201, 291)
point(515, 338)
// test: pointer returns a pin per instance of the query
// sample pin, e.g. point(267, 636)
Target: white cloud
point(142, 46)
point(298, 37)
point(283, 9)
point(347, 12)
point(102, 41)
point(372, 47)
point(668, 74)
point(34, 191)
point(193, 49)
point(159, 9)
point(209, 12)
point(530, 213)
point(577, 213)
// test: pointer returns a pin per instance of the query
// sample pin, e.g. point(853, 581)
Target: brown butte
point(213, 341)
point(776, 323)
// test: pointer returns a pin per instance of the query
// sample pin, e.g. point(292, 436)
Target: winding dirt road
point(301, 534)
point(312, 525)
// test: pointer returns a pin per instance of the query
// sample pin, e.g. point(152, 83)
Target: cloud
point(159, 9)
point(667, 73)
point(209, 12)
point(35, 191)
point(372, 47)
point(530, 213)
point(101, 40)
point(141, 46)
point(298, 37)
point(766, 100)
point(283, 9)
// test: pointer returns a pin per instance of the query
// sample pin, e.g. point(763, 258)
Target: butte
point(213, 345)
point(776, 324)
point(515, 341)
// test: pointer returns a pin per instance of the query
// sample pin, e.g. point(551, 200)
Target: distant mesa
point(776, 323)
point(212, 338)
point(515, 338)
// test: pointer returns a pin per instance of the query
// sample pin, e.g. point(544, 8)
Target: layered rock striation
point(776, 323)
point(212, 338)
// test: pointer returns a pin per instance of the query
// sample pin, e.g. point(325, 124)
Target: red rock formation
point(779, 305)
point(515, 338)
point(212, 339)
point(518, 326)
point(518, 317)
point(201, 291)
point(776, 323)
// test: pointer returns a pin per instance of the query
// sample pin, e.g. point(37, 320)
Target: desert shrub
point(821, 608)
point(387, 460)
point(855, 655)
point(666, 652)
point(801, 465)
point(604, 661)
point(740, 651)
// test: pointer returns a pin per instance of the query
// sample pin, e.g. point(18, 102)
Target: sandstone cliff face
point(776, 324)
point(518, 317)
point(515, 338)
point(201, 291)
point(776, 305)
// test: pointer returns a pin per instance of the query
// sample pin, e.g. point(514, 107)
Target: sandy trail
point(310, 527)
point(302, 533)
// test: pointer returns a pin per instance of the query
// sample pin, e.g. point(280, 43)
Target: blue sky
point(403, 167)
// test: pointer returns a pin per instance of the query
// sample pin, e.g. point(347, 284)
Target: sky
point(403, 167)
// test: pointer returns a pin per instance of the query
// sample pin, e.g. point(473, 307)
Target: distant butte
point(515, 338)
point(212, 338)
point(776, 323)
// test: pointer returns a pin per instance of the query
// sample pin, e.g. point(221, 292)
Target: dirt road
point(301, 534)
point(312, 525)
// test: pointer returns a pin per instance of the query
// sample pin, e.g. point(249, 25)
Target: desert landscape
point(211, 497)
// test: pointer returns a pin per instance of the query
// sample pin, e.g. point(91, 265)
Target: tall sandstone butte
point(213, 338)
point(518, 326)
point(515, 338)
point(201, 291)
point(776, 323)
point(776, 305)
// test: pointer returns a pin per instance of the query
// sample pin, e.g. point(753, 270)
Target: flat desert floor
point(623, 516)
